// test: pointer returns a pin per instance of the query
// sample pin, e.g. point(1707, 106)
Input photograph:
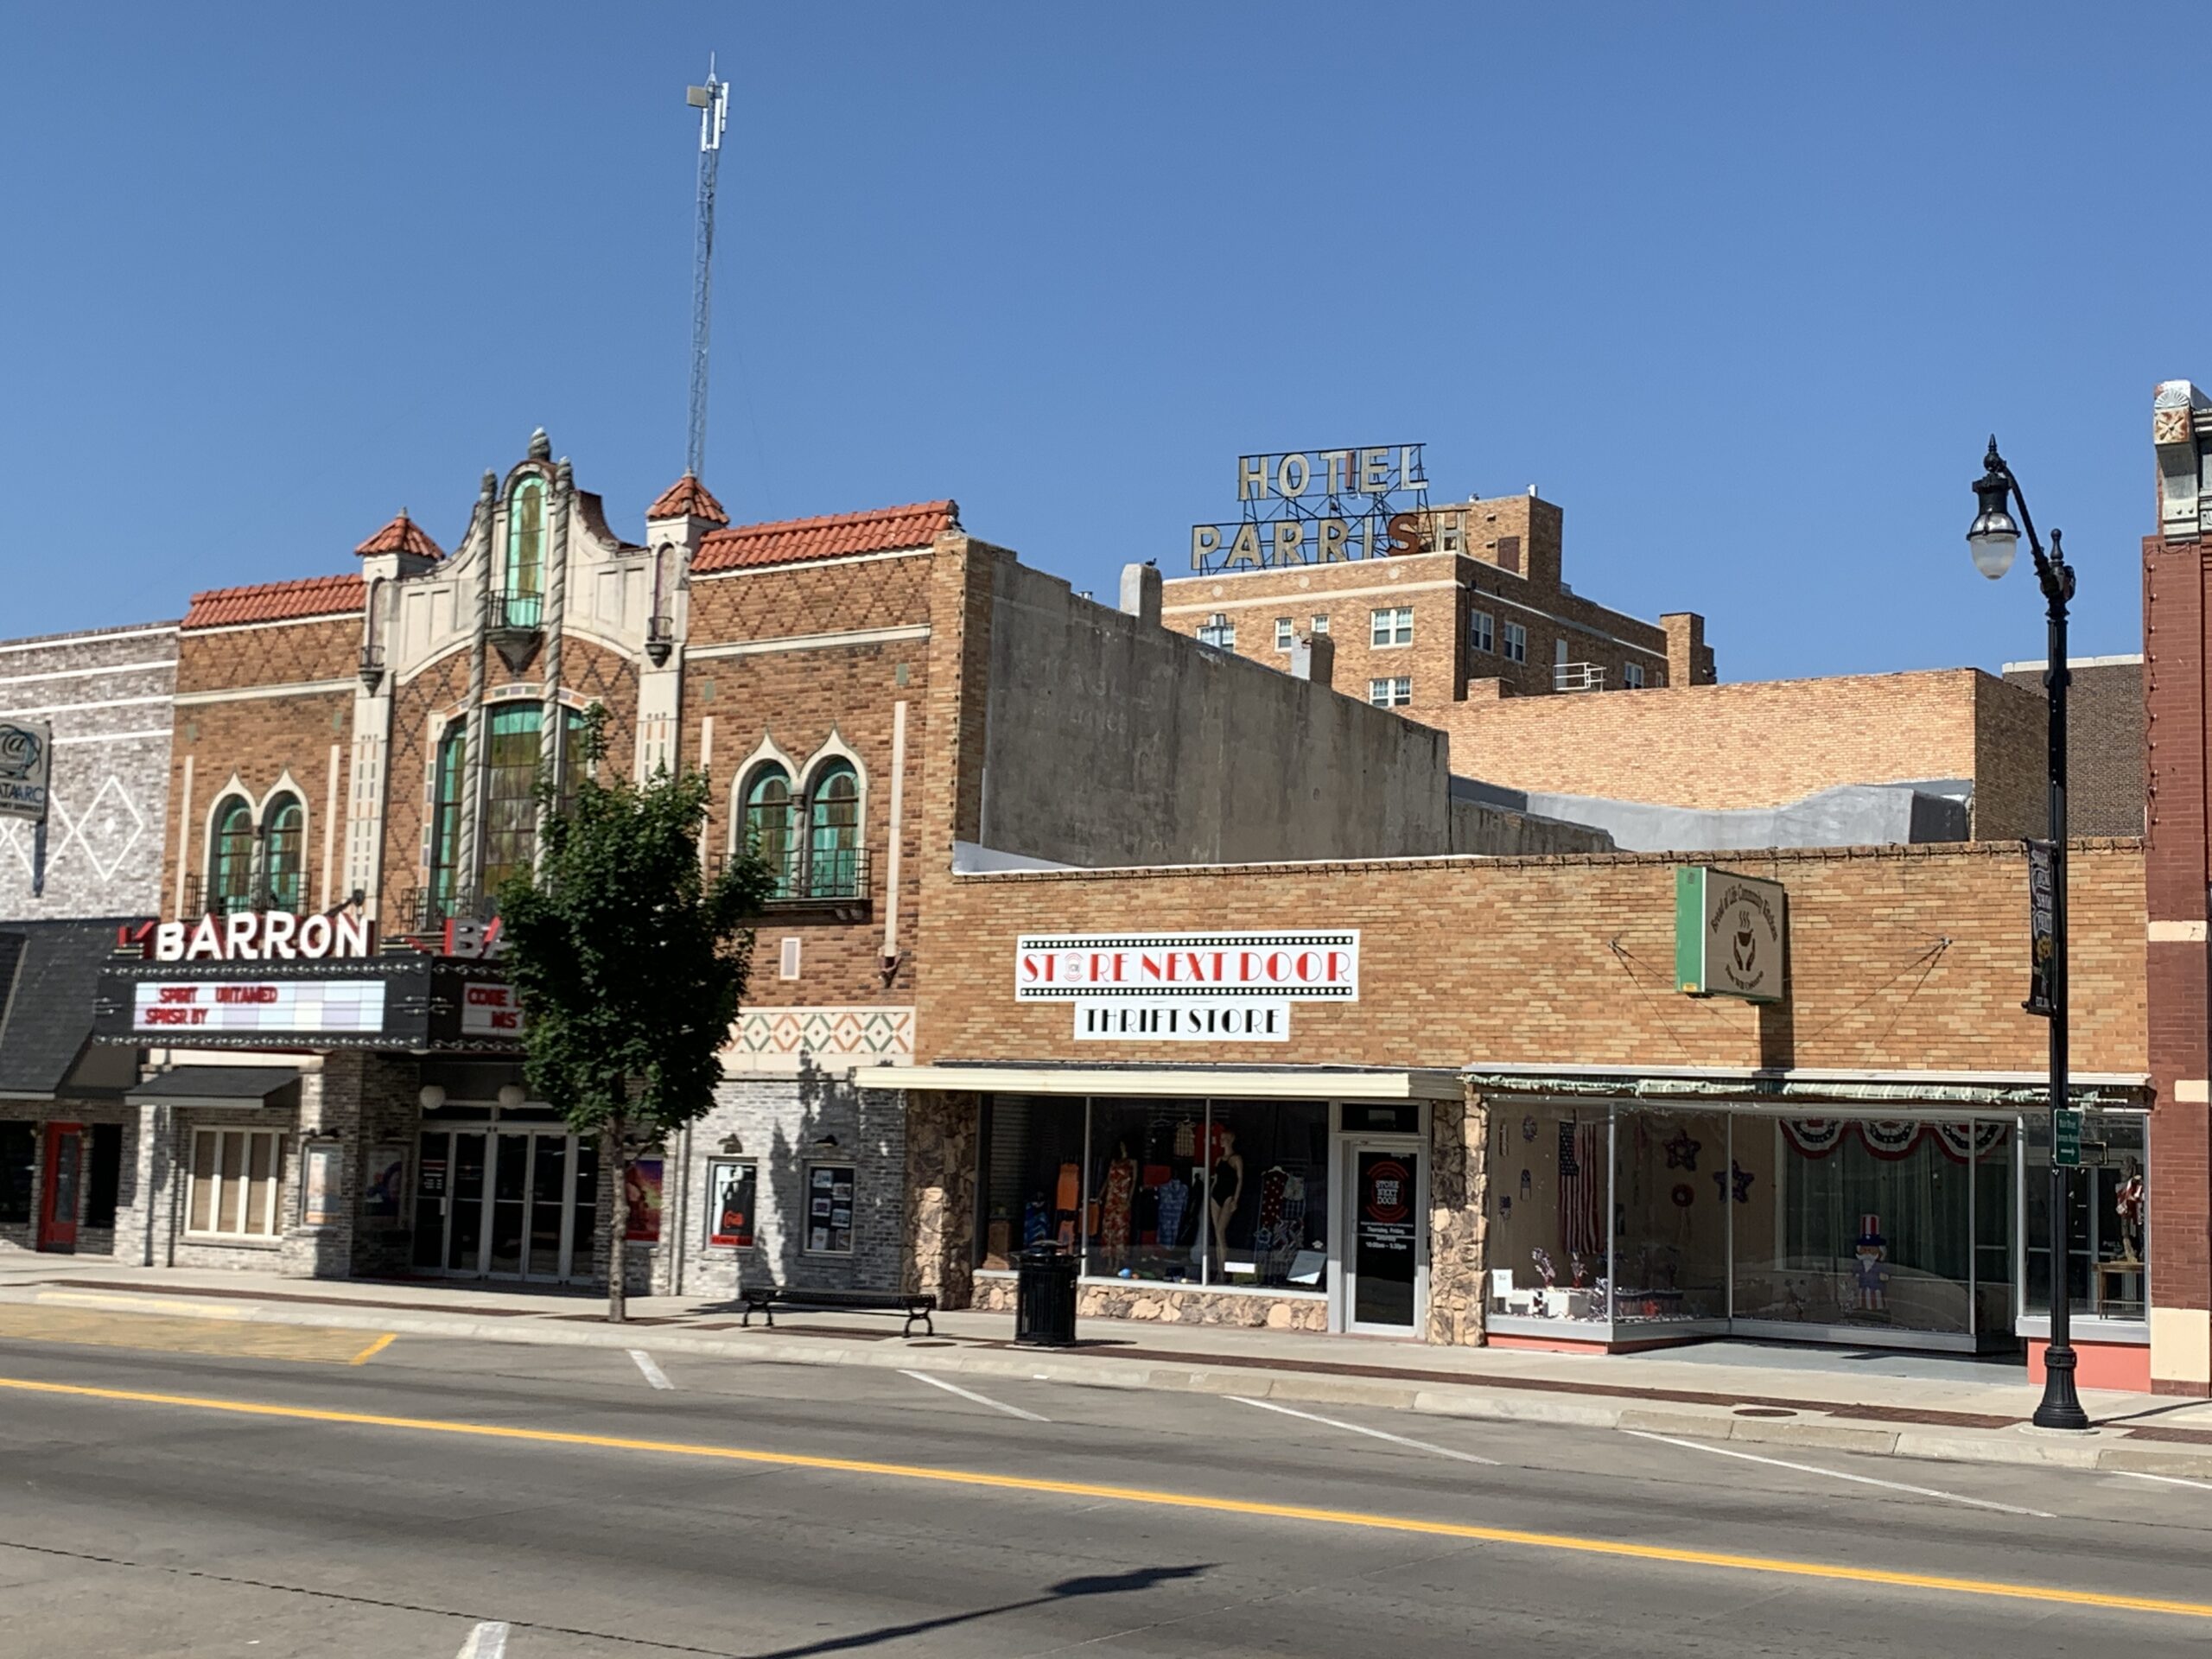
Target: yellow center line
point(1833, 1572)
point(374, 1349)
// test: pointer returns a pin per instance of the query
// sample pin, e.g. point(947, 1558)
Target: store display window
point(1169, 1190)
point(2108, 1226)
point(1675, 1197)
point(1550, 1193)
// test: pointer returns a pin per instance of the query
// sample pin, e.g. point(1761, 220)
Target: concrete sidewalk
point(1845, 1400)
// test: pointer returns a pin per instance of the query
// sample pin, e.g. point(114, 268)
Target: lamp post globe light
point(1994, 540)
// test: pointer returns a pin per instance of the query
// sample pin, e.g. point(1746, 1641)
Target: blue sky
point(1744, 289)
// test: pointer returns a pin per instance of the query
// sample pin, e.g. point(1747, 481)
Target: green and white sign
point(1731, 934)
point(2066, 1137)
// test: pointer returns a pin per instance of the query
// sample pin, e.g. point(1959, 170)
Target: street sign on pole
point(2066, 1137)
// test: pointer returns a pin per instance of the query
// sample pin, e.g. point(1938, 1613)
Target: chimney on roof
point(1313, 657)
point(1141, 592)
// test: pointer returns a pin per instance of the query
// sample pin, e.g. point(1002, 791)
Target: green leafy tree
point(630, 962)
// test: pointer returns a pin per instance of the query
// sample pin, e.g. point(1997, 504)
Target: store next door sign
point(1186, 986)
point(1731, 935)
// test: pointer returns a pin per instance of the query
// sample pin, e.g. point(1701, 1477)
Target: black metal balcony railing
point(425, 911)
point(517, 610)
point(812, 879)
point(200, 899)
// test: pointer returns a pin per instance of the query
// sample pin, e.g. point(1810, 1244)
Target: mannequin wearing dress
point(1223, 1192)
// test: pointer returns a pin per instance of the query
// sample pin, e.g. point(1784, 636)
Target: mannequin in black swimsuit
point(1226, 1189)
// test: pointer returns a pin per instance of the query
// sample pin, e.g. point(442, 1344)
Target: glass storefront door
point(1386, 1269)
point(506, 1203)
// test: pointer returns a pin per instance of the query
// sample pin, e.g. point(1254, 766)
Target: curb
point(2099, 1449)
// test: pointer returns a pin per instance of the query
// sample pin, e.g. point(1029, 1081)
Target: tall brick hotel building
point(1176, 930)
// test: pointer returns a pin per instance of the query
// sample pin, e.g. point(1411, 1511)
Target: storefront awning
point(2000, 1089)
point(215, 1085)
point(47, 971)
point(1218, 1082)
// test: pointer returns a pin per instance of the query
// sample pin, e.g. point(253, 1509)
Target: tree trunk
point(618, 1152)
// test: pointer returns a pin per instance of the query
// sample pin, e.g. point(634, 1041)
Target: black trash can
point(1044, 1301)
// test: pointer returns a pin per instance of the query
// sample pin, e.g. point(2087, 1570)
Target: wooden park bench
point(767, 1298)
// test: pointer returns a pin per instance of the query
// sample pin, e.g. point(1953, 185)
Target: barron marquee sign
point(1318, 507)
point(253, 936)
point(1186, 986)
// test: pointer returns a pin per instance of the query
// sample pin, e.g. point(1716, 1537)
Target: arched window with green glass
point(770, 821)
point(510, 793)
point(230, 858)
point(833, 817)
point(283, 831)
point(525, 582)
point(445, 819)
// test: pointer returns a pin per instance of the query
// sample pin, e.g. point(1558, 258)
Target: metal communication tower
point(712, 101)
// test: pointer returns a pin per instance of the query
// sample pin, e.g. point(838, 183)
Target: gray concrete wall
point(1853, 815)
point(1111, 740)
point(1482, 826)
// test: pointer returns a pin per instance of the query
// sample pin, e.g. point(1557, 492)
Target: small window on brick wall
point(1632, 676)
point(1218, 631)
point(235, 1175)
point(1481, 631)
point(1517, 643)
point(1284, 633)
point(1390, 694)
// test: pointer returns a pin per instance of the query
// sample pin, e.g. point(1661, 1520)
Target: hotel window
point(1517, 643)
point(1392, 626)
point(1284, 633)
point(1481, 632)
point(284, 830)
point(230, 868)
point(829, 1209)
point(771, 816)
point(1390, 694)
point(1632, 676)
point(525, 582)
point(235, 1175)
point(1218, 631)
point(1321, 624)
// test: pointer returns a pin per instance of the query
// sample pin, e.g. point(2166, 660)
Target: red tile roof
point(842, 536)
point(277, 601)
point(402, 535)
point(687, 495)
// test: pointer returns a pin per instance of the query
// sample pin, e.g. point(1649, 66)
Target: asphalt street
point(435, 1498)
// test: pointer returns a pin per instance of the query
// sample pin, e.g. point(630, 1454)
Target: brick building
point(1453, 1087)
point(2105, 756)
point(69, 1139)
point(1422, 632)
point(2176, 628)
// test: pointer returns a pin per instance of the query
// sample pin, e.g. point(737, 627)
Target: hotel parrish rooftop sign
point(1186, 986)
point(1317, 506)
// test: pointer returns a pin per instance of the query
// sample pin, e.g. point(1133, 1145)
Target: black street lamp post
point(1993, 541)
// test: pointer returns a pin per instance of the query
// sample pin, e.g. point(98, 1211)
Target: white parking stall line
point(2163, 1480)
point(486, 1641)
point(654, 1375)
point(1372, 1433)
point(980, 1399)
point(1839, 1474)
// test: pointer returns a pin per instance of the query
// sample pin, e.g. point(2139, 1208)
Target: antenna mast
point(712, 101)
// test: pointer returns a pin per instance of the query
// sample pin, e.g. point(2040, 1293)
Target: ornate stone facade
point(941, 1148)
point(1458, 1190)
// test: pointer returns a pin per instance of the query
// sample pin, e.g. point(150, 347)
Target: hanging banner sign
point(26, 768)
point(1731, 934)
point(2042, 929)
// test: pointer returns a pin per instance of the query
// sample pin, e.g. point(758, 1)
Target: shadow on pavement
point(1103, 1584)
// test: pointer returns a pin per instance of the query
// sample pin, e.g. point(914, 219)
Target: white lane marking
point(486, 1641)
point(1839, 1474)
point(654, 1375)
point(2164, 1480)
point(980, 1399)
point(1373, 1433)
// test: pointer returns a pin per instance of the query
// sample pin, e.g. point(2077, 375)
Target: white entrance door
point(1384, 1257)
